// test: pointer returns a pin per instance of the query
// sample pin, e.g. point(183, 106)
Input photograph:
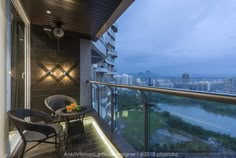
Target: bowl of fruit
point(73, 107)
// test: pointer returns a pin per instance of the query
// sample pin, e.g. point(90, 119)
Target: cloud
point(172, 36)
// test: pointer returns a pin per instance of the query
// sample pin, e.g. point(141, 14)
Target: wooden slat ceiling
point(83, 16)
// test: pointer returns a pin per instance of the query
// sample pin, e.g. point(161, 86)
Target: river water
point(198, 116)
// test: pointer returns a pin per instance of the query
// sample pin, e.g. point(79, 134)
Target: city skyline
point(179, 75)
point(173, 37)
point(220, 85)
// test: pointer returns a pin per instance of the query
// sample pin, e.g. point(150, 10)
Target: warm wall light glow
point(65, 78)
point(66, 68)
point(110, 146)
point(57, 72)
point(72, 74)
point(49, 78)
point(49, 67)
point(42, 73)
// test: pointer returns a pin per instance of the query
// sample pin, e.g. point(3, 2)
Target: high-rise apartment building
point(230, 85)
point(103, 68)
point(185, 78)
point(118, 79)
point(125, 79)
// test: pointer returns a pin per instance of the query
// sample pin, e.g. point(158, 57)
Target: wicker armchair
point(56, 102)
point(38, 132)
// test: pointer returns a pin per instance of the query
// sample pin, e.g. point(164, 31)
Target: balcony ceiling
point(90, 18)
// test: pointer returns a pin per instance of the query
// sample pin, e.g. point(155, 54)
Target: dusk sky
point(170, 37)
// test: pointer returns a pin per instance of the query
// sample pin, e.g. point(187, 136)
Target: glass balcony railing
point(110, 40)
point(111, 32)
point(167, 121)
point(100, 47)
point(115, 27)
point(114, 70)
point(113, 53)
point(110, 61)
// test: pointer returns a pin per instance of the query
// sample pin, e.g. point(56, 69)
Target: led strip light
point(110, 146)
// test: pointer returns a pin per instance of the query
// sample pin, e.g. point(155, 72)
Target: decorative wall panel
point(52, 71)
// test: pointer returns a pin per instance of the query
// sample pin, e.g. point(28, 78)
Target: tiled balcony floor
point(93, 145)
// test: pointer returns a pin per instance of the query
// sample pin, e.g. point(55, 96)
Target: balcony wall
point(46, 58)
point(100, 47)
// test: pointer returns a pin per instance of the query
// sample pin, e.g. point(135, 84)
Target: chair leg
point(23, 150)
point(55, 142)
point(58, 147)
point(58, 150)
point(66, 144)
point(59, 143)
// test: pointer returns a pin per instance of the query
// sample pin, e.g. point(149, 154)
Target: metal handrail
point(223, 98)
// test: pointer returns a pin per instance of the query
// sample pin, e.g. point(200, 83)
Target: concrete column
point(85, 72)
point(4, 147)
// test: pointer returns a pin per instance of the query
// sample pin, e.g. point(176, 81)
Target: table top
point(62, 112)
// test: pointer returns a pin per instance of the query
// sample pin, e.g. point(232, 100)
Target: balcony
point(157, 120)
point(112, 72)
point(110, 61)
point(102, 69)
point(184, 123)
point(110, 40)
point(99, 47)
point(114, 27)
point(113, 53)
point(96, 142)
point(132, 120)
point(111, 32)
point(52, 52)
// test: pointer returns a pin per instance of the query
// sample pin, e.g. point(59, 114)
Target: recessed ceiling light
point(48, 12)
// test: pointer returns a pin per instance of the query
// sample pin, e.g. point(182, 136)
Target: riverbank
point(214, 107)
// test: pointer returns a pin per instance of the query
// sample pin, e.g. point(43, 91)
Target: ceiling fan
point(57, 32)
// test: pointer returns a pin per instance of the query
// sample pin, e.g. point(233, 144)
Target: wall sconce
point(65, 73)
point(58, 73)
point(50, 72)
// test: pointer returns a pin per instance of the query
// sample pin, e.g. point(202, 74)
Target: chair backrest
point(18, 118)
point(56, 102)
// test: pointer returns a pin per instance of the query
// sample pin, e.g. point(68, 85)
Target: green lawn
point(134, 127)
point(133, 131)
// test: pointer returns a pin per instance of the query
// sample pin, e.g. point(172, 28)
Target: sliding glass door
point(17, 62)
